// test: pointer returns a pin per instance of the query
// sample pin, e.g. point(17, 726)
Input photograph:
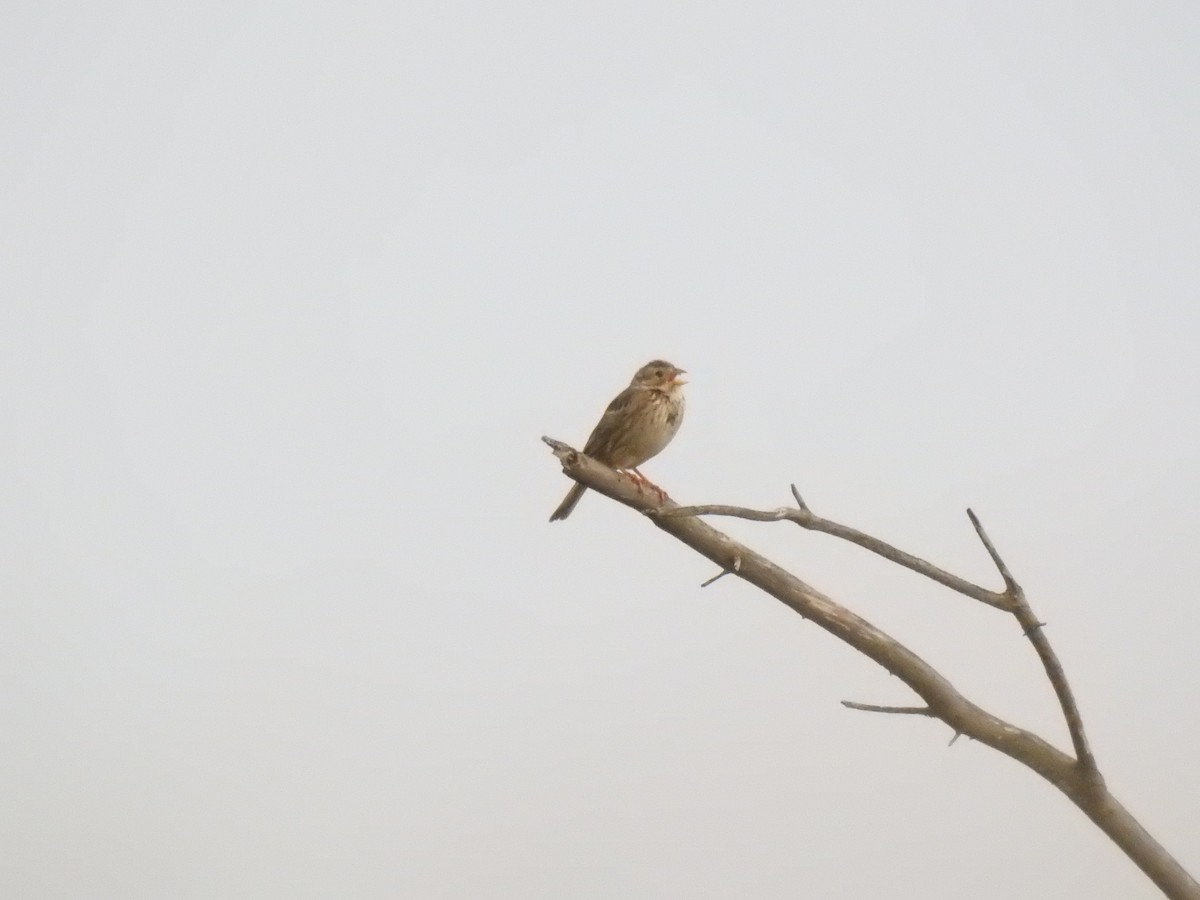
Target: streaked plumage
point(637, 425)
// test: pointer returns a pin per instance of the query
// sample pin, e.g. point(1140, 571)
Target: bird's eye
point(659, 372)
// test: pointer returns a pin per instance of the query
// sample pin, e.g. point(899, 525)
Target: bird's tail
point(568, 504)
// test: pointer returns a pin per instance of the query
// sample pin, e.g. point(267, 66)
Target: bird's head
point(659, 375)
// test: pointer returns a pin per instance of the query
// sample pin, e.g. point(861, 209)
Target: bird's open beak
point(675, 379)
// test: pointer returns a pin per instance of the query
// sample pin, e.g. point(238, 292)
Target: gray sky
point(290, 293)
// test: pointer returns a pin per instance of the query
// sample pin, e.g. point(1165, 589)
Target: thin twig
point(894, 710)
point(805, 518)
point(718, 509)
point(1010, 583)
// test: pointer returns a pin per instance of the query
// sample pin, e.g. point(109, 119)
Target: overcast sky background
point(290, 292)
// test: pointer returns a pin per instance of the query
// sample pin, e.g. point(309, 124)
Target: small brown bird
point(637, 425)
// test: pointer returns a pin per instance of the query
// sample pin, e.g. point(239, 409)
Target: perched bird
point(637, 425)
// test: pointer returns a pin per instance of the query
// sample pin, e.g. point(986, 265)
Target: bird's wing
point(602, 434)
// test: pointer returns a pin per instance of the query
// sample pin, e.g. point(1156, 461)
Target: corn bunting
point(637, 425)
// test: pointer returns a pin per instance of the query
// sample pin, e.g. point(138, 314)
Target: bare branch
point(1011, 600)
point(1077, 778)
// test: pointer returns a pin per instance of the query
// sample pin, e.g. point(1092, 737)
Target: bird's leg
point(635, 476)
point(642, 479)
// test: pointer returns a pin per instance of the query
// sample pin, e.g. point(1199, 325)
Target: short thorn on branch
point(737, 567)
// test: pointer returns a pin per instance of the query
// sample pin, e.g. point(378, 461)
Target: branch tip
point(799, 500)
point(565, 452)
point(1010, 583)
